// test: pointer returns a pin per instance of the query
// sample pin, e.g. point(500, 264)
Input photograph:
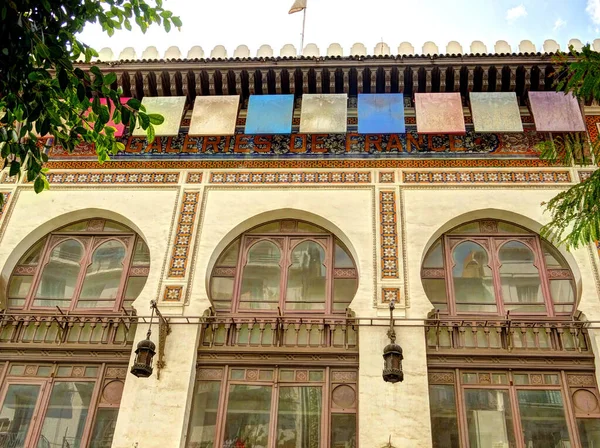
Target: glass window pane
point(272, 227)
point(519, 278)
point(589, 432)
point(344, 290)
point(230, 256)
point(306, 284)
point(111, 226)
point(543, 418)
point(343, 430)
point(104, 428)
point(60, 275)
point(552, 257)
point(80, 226)
point(248, 416)
point(444, 422)
point(19, 286)
point(221, 291)
point(489, 418)
point(473, 282)
point(32, 256)
point(203, 418)
point(134, 288)
point(261, 277)
point(510, 228)
point(141, 254)
point(309, 228)
point(103, 276)
point(342, 257)
point(15, 415)
point(299, 417)
point(435, 256)
point(435, 288)
point(471, 227)
point(562, 291)
point(66, 414)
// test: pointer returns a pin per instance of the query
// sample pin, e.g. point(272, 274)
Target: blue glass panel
point(381, 113)
point(270, 114)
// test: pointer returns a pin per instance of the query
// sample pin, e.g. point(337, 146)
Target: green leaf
point(15, 168)
point(110, 78)
point(134, 103)
point(176, 21)
point(156, 119)
point(63, 79)
point(38, 184)
point(150, 133)
point(80, 92)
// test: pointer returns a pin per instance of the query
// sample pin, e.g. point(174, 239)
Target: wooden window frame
point(328, 384)
point(491, 240)
point(286, 240)
point(567, 391)
point(47, 384)
point(90, 239)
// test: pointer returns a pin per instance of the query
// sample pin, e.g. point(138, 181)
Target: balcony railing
point(67, 329)
point(507, 335)
point(331, 332)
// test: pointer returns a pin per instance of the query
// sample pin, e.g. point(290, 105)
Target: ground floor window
point(513, 409)
point(268, 407)
point(59, 405)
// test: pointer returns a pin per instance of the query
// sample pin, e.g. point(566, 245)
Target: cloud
point(593, 10)
point(519, 11)
point(560, 23)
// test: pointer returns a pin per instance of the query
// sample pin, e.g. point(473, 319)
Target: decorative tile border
point(194, 178)
point(68, 177)
point(389, 234)
point(584, 175)
point(173, 293)
point(6, 197)
point(290, 177)
point(387, 177)
point(389, 294)
point(183, 237)
point(507, 177)
point(6, 179)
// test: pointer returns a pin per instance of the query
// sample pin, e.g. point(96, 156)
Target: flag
point(298, 6)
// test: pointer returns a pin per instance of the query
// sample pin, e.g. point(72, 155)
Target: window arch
point(95, 264)
point(495, 267)
point(286, 266)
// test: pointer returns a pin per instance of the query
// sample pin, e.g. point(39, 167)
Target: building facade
point(273, 256)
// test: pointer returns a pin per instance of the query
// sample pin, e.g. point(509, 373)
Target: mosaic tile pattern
point(389, 234)
point(509, 177)
point(495, 112)
point(6, 179)
point(291, 177)
point(6, 197)
point(556, 112)
point(389, 294)
point(584, 175)
point(439, 113)
point(111, 178)
point(194, 178)
point(387, 177)
point(173, 293)
point(170, 107)
point(592, 122)
point(183, 237)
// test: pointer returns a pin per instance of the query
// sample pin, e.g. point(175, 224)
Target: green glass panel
point(248, 416)
point(589, 432)
point(343, 430)
point(104, 428)
point(444, 420)
point(543, 418)
point(299, 417)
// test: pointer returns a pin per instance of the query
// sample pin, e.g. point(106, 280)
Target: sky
point(208, 23)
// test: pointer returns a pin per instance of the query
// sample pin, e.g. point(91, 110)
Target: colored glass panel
point(270, 114)
point(381, 114)
point(170, 107)
point(214, 115)
point(556, 112)
point(439, 113)
point(324, 113)
point(495, 112)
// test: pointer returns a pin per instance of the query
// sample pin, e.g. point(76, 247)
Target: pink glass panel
point(556, 112)
point(120, 128)
point(439, 113)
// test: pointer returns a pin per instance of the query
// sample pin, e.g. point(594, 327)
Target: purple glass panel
point(556, 112)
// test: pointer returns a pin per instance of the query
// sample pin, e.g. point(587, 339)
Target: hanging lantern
point(145, 351)
point(392, 354)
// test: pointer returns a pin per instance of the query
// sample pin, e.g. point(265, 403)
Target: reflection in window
point(520, 279)
point(489, 418)
point(299, 407)
point(444, 422)
point(104, 428)
point(543, 418)
point(248, 416)
point(66, 414)
point(473, 284)
point(16, 413)
point(59, 279)
point(261, 277)
point(103, 276)
point(306, 278)
point(203, 419)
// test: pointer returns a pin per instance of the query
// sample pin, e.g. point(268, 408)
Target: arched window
point(89, 265)
point(494, 267)
point(290, 266)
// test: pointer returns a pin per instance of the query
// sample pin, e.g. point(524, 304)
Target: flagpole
point(303, 24)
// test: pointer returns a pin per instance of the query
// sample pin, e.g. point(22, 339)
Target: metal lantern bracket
point(164, 329)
